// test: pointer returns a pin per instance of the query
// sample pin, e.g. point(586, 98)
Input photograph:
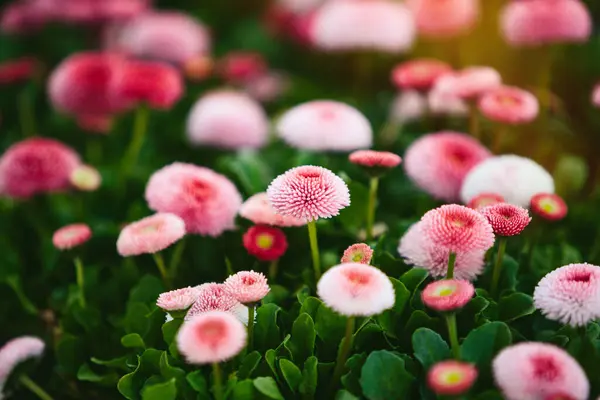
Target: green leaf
point(515, 306)
point(389, 319)
point(413, 278)
point(429, 347)
point(147, 290)
point(268, 387)
point(329, 325)
point(251, 170)
point(243, 390)
point(169, 332)
point(489, 395)
point(291, 373)
point(311, 306)
point(302, 342)
point(160, 391)
point(351, 380)
point(148, 364)
point(310, 377)
point(86, 374)
point(482, 344)
point(70, 352)
point(345, 395)
point(353, 216)
point(133, 340)
point(508, 277)
point(136, 320)
point(420, 319)
point(198, 382)
point(119, 363)
point(384, 377)
point(277, 294)
point(249, 364)
point(266, 331)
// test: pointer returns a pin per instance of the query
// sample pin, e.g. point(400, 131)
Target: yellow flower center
point(264, 241)
point(452, 377)
point(357, 257)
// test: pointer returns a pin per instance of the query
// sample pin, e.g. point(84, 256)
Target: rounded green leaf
point(267, 386)
point(384, 377)
point(429, 347)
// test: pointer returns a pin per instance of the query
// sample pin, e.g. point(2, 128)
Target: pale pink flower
point(355, 289)
point(416, 249)
point(442, 102)
point(469, 83)
point(485, 199)
point(506, 219)
point(15, 352)
point(540, 22)
point(258, 209)
point(407, 106)
point(439, 162)
point(451, 377)
point(150, 235)
point(309, 193)
point(216, 297)
point(248, 287)
point(596, 96)
point(379, 25)
point(268, 87)
point(207, 201)
point(300, 6)
point(570, 294)
point(419, 74)
point(211, 337)
point(541, 371)
point(227, 119)
point(447, 294)
point(85, 178)
point(325, 125)
point(441, 19)
point(71, 236)
point(375, 159)
point(509, 105)
point(358, 253)
point(177, 300)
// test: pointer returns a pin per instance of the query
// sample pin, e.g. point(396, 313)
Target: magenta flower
point(451, 378)
point(267, 243)
point(509, 105)
point(240, 67)
point(178, 300)
point(447, 294)
point(358, 253)
point(16, 351)
point(441, 19)
point(549, 206)
point(71, 236)
point(216, 297)
point(506, 219)
point(258, 209)
point(419, 74)
point(150, 235)
point(247, 287)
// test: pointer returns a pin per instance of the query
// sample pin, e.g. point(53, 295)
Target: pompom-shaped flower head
point(447, 295)
point(570, 294)
point(440, 19)
point(438, 163)
point(325, 125)
point(469, 83)
point(485, 199)
point(541, 22)
point(35, 166)
point(309, 192)
point(419, 74)
point(15, 352)
point(509, 105)
point(515, 178)
point(379, 25)
point(266, 243)
point(506, 219)
point(248, 287)
point(451, 378)
point(207, 201)
point(258, 209)
point(358, 253)
point(85, 178)
point(539, 371)
point(179, 299)
point(71, 236)
point(227, 119)
point(211, 337)
point(355, 289)
point(376, 163)
point(216, 297)
point(150, 235)
point(549, 206)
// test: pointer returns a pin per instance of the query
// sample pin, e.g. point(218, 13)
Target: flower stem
point(14, 282)
point(453, 335)
point(80, 280)
point(218, 381)
point(140, 126)
point(497, 267)
point(451, 263)
point(314, 248)
point(34, 387)
point(176, 257)
point(473, 120)
point(250, 328)
point(26, 114)
point(160, 263)
point(273, 266)
point(498, 136)
point(374, 184)
point(340, 363)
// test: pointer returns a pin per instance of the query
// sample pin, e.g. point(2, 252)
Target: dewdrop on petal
point(266, 243)
point(542, 371)
point(419, 74)
point(16, 351)
point(150, 235)
point(506, 219)
point(358, 253)
point(570, 294)
point(211, 337)
point(447, 294)
point(509, 105)
point(248, 287)
point(451, 378)
point(71, 236)
point(258, 209)
point(85, 178)
point(179, 299)
point(354, 289)
point(325, 125)
point(549, 206)
point(485, 199)
point(441, 19)
point(216, 297)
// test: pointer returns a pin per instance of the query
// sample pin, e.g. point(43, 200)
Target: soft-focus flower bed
point(299, 199)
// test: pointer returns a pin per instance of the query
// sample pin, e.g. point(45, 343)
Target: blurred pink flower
point(358, 253)
point(469, 83)
point(16, 351)
point(93, 11)
point(570, 294)
point(150, 235)
point(71, 236)
point(308, 193)
point(509, 105)
point(596, 96)
point(13, 71)
point(540, 22)
point(177, 300)
point(442, 102)
point(227, 119)
point(485, 199)
point(531, 370)
point(419, 74)
point(407, 106)
point(325, 125)
point(438, 162)
point(506, 219)
point(282, 22)
point(247, 287)
point(549, 206)
point(441, 19)
point(379, 25)
point(375, 159)
point(241, 66)
point(207, 201)
point(354, 289)
point(215, 297)
point(95, 123)
point(300, 6)
point(85, 178)
point(24, 17)
point(451, 378)
point(36, 165)
point(447, 294)
point(258, 209)
point(268, 87)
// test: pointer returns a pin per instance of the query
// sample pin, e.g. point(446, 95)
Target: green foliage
point(384, 377)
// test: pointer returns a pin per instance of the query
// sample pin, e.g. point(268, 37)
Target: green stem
point(14, 282)
point(498, 267)
point(474, 120)
point(176, 257)
point(26, 114)
point(453, 335)
point(80, 280)
point(218, 381)
point(273, 266)
point(34, 388)
point(451, 263)
point(314, 249)
point(340, 363)
point(250, 328)
point(498, 136)
point(160, 263)
point(374, 184)
point(228, 266)
point(140, 126)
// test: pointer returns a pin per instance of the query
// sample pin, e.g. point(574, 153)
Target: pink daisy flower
point(372, 159)
point(596, 96)
point(407, 106)
point(248, 287)
point(485, 199)
point(549, 206)
point(354, 289)
point(451, 378)
point(447, 294)
point(539, 371)
point(18, 70)
point(150, 235)
point(419, 74)
point(506, 219)
point(308, 193)
point(95, 123)
point(358, 253)
point(268, 87)
point(258, 209)
point(211, 337)
point(242, 66)
point(441, 101)
point(85, 178)
point(178, 300)
point(88, 12)
point(15, 352)
point(207, 201)
point(509, 105)
point(198, 68)
point(416, 249)
point(264, 242)
point(228, 119)
point(22, 18)
point(440, 19)
point(71, 236)
point(325, 125)
point(570, 294)
point(469, 83)
point(216, 297)
point(438, 162)
point(379, 25)
point(37, 165)
point(539, 22)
